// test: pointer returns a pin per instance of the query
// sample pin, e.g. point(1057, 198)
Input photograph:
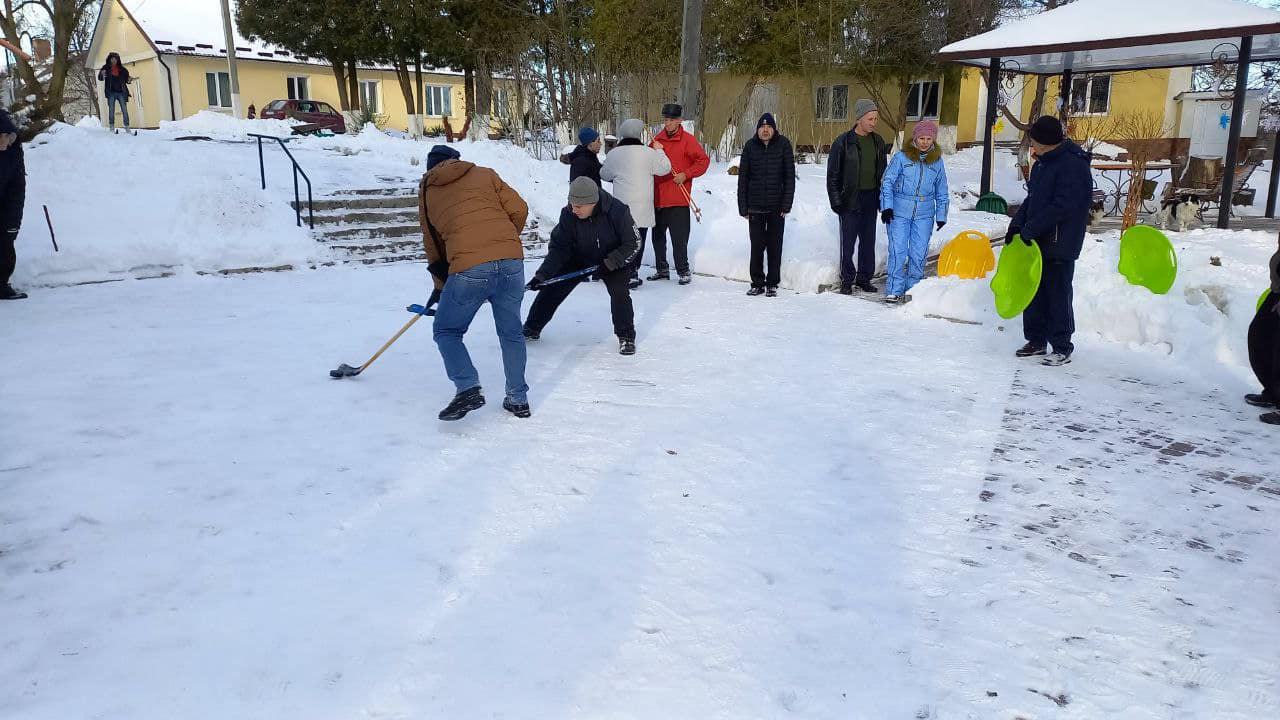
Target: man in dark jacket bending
point(1054, 216)
point(594, 229)
point(766, 188)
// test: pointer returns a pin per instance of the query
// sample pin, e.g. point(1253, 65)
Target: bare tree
point(39, 101)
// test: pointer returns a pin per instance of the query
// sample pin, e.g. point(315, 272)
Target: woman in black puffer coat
point(766, 189)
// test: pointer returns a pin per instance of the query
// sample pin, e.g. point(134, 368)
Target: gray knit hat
point(632, 128)
point(584, 191)
point(862, 107)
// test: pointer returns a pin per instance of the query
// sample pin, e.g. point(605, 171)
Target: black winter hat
point(672, 111)
point(767, 119)
point(439, 154)
point(1046, 130)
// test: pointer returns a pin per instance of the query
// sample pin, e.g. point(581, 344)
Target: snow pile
point(220, 126)
point(1203, 319)
point(964, 170)
point(121, 203)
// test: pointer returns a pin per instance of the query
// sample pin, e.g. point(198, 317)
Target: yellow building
point(176, 55)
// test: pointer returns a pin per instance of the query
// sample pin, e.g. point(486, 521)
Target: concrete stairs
point(380, 225)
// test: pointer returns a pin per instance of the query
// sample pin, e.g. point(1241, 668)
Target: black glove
point(434, 299)
point(1010, 233)
point(534, 283)
point(886, 216)
point(941, 223)
point(1026, 240)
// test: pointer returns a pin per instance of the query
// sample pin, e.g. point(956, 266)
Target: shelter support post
point(1233, 140)
point(989, 138)
point(1064, 95)
point(1274, 184)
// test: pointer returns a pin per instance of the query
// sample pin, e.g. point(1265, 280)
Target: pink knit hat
point(924, 127)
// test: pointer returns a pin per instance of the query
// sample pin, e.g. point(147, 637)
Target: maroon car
point(307, 111)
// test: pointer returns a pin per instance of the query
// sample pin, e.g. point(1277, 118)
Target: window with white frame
point(501, 102)
point(218, 85)
point(298, 87)
point(923, 100)
point(439, 100)
point(1091, 95)
point(369, 97)
point(831, 102)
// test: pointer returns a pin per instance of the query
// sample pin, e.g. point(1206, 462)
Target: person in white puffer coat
point(631, 167)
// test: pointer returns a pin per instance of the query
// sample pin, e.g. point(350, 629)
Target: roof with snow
point(187, 27)
point(1109, 35)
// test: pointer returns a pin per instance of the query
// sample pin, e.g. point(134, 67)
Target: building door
point(1209, 129)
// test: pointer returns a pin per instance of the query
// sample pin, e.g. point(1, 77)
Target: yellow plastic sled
point(967, 256)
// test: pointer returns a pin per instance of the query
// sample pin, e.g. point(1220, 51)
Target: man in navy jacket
point(1054, 216)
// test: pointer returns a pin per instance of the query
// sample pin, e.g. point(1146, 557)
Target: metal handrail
point(297, 170)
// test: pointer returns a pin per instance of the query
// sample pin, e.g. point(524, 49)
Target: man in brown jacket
point(471, 223)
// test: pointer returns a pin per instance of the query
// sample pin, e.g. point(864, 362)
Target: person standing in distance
point(584, 161)
point(672, 193)
point(632, 167)
point(766, 189)
point(854, 171)
point(13, 195)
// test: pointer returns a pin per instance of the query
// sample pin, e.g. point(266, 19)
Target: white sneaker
point(1056, 359)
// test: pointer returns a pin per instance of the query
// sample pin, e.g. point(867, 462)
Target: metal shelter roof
point(1111, 35)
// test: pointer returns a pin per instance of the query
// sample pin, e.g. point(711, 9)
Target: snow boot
point(755, 291)
point(463, 403)
point(893, 299)
point(626, 347)
point(685, 278)
point(1271, 418)
point(530, 333)
point(1056, 359)
point(846, 289)
point(660, 275)
point(1030, 350)
point(771, 292)
point(867, 287)
point(520, 410)
point(1262, 400)
point(634, 282)
point(8, 293)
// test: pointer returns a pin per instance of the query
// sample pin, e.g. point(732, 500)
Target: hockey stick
point(568, 276)
point(345, 370)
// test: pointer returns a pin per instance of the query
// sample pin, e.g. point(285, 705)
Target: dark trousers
point(635, 264)
point(1049, 319)
point(1264, 346)
point(766, 237)
point(858, 228)
point(549, 298)
point(13, 193)
point(673, 220)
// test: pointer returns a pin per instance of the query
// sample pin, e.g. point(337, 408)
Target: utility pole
point(231, 58)
point(691, 62)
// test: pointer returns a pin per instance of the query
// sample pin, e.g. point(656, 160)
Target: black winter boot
point(531, 334)
point(8, 293)
point(755, 291)
point(1261, 399)
point(771, 292)
point(660, 275)
point(1031, 350)
point(520, 410)
point(1271, 418)
point(463, 403)
point(626, 347)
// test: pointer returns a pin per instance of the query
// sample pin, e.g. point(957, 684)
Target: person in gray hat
point(595, 230)
point(854, 170)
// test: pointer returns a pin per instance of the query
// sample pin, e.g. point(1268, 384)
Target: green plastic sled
point(1262, 298)
point(1147, 259)
point(1017, 277)
point(992, 203)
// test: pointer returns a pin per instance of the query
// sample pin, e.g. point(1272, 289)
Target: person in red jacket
point(672, 191)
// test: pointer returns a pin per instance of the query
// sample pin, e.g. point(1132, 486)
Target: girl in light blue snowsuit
point(913, 199)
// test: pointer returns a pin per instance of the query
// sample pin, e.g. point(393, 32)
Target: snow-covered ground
point(810, 506)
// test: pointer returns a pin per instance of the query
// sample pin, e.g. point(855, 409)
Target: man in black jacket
point(13, 194)
point(854, 170)
point(766, 188)
point(1054, 216)
point(594, 229)
point(584, 161)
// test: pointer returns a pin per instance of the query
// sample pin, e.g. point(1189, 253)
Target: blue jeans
point(112, 100)
point(502, 284)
